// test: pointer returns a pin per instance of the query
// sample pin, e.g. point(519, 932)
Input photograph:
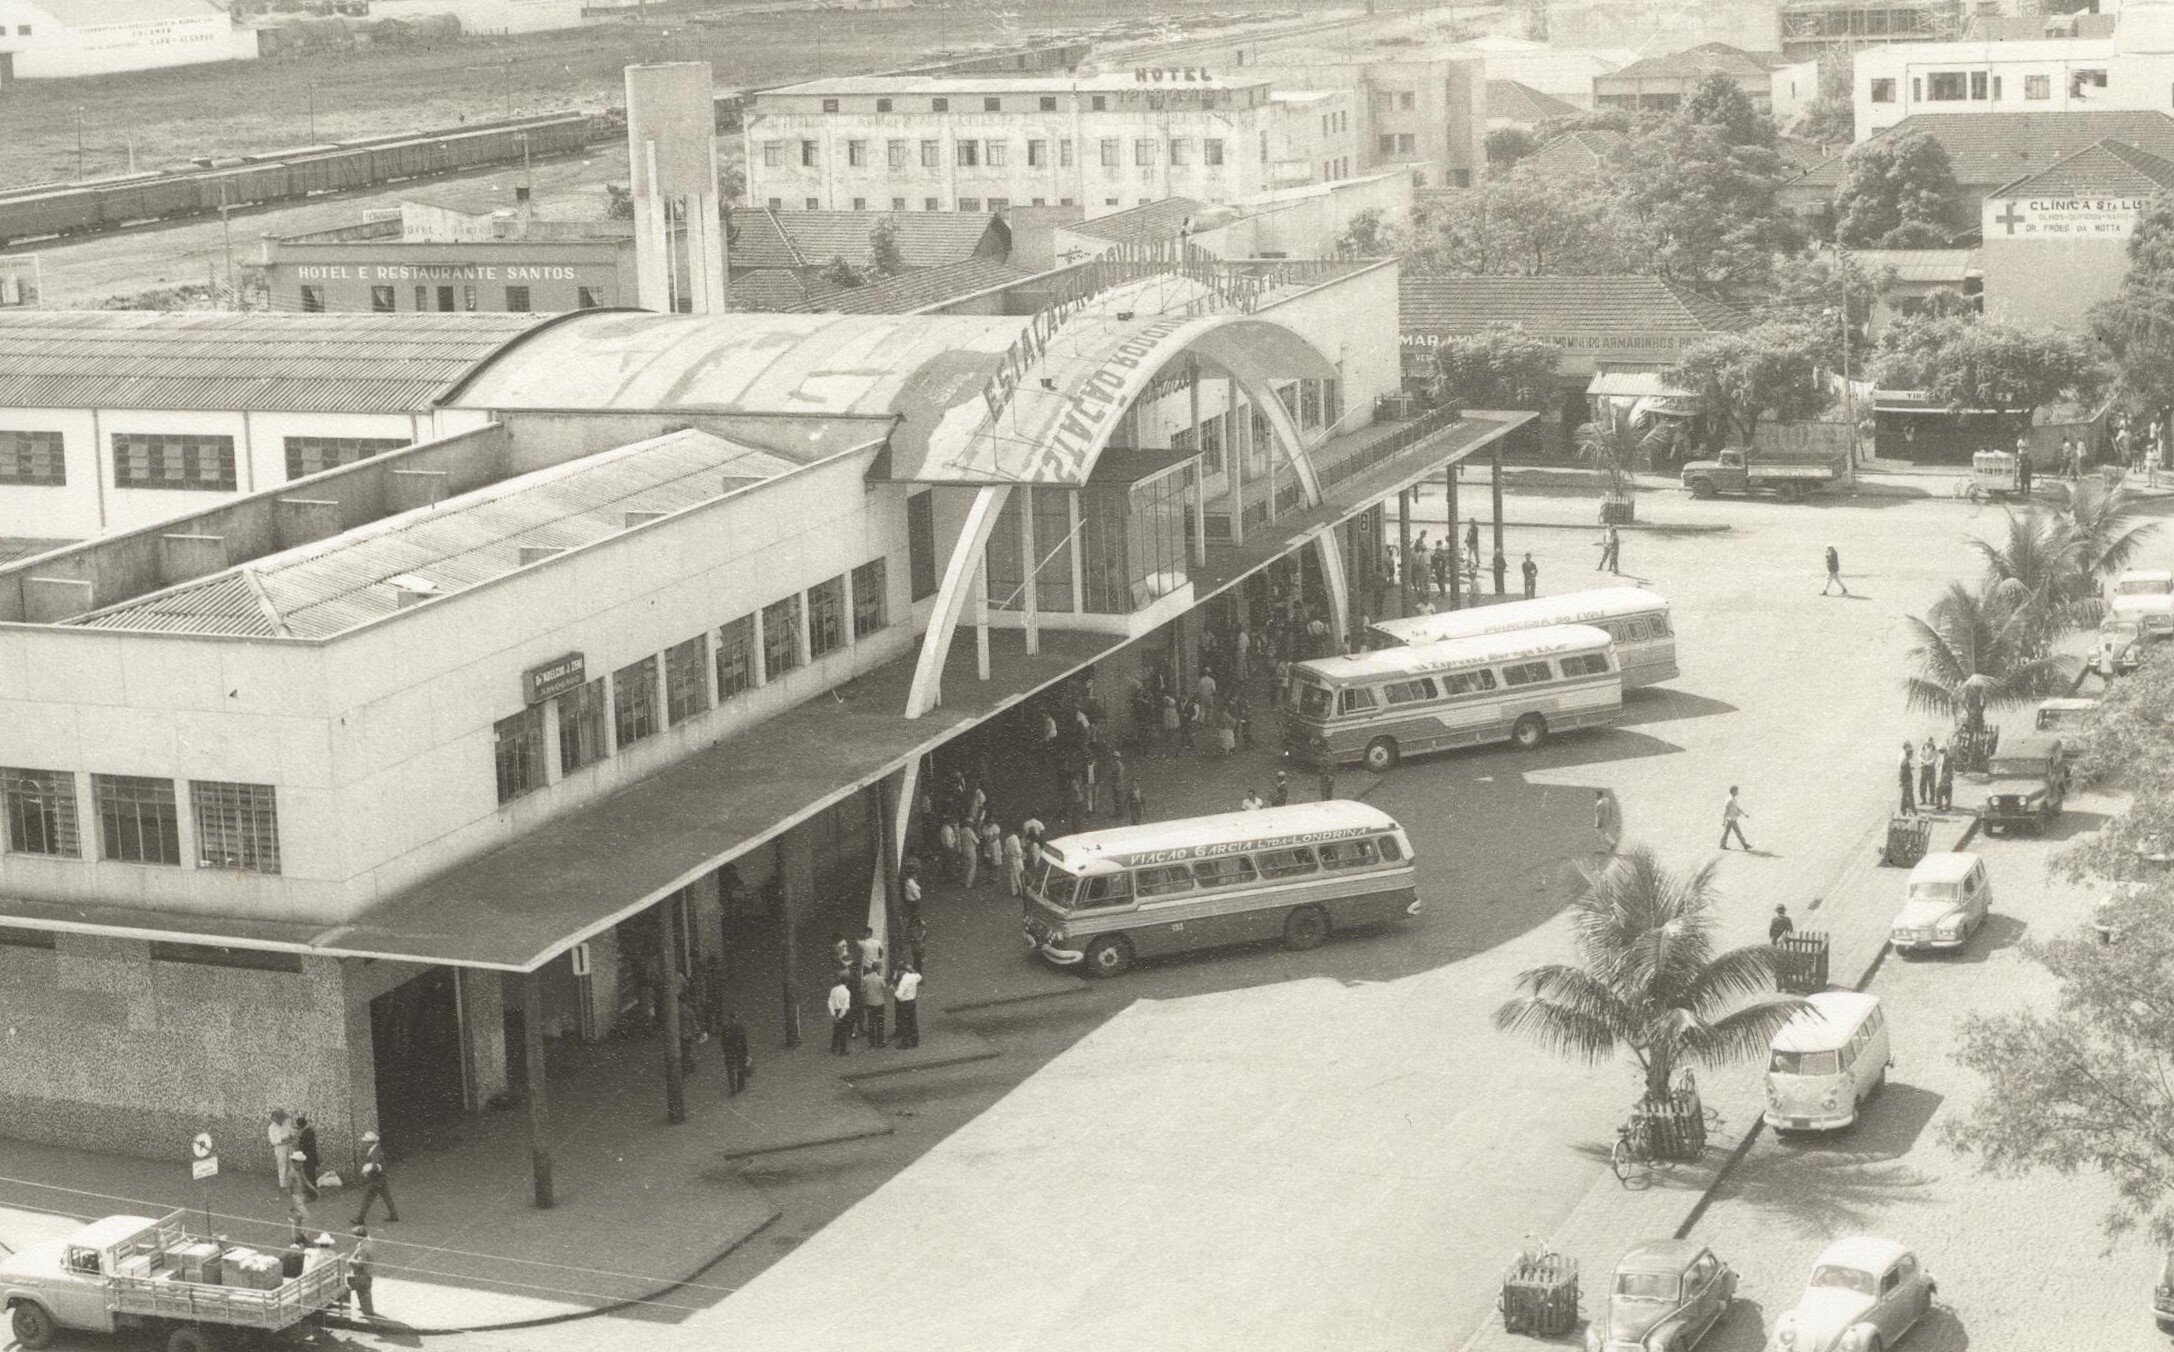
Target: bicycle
point(1630, 1155)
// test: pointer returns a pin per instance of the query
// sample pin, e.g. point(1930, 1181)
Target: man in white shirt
point(906, 1002)
point(1732, 819)
point(841, 1018)
point(1252, 802)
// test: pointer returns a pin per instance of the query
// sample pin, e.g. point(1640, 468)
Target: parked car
point(2120, 646)
point(2026, 783)
point(1663, 1297)
point(1864, 1295)
point(1946, 899)
point(2162, 1297)
point(2145, 595)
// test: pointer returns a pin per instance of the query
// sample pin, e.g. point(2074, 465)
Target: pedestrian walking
point(360, 1272)
point(1607, 820)
point(1328, 781)
point(1834, 572)
point(969, 845)
point(1733, 817)
point(1120, 777)
point(1944, 779)
point(906, 1004)
point(1242, 714)
point(1906, 773)
point(377, 1184)
point(280, 1133)
point(1472, 540)
point(841, 1017)
point(1031, 832)
point(1615, 549)
point(1928, 773)
point(947, 846)
point(1531, 571)
point(299, 1192)
point(733, 1039)
point(1781, 926)
point(1172, 725)
point(305, 1145)
point(1281, 795)
point(875, 997)
point(1502, 574)
point(1439, 565)
point(992, 847)
point(1015, 864)
point(1242, 649)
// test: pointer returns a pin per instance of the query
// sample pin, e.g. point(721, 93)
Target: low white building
point(2133, 69)
point(992, 142)
point(114, 419)
point(57, 39)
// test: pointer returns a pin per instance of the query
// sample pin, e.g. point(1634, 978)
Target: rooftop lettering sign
point(2060, 217)
point(552, 678)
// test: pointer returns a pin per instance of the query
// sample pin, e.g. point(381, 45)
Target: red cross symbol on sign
point(2011, 217)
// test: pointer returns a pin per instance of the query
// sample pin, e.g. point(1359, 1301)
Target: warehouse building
point(353, 793)
point(434, 258)
point(59, 39)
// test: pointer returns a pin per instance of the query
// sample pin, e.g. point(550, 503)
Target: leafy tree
point(1523, 225)
point(1605, 119)
point(1717, 102)
point(2088, 1084)
point(1743, 376)
point(2099, 528)
point(1507, 145)
point(1830, 119)
point(1892, 183)
point(2129, 741)
point(1812, 287)
point(1973, 653)
point(618, 203)
point(884, 258)
point(2137, 323)
point(841, 272)
point(1966, 363)
point(1501, 366)
point(1368, 236)
point(1648, 980)
point(1704, 206)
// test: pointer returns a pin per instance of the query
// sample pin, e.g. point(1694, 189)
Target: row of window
point(176, 460)
point(1978, 86)
point(448, 299)
point(827, 616)
point(996, 154)
point(139, 820)
point(1354, 699)
point(1045, 103)
point(1233, 870)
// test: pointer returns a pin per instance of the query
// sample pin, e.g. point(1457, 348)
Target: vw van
point(1826, 1062)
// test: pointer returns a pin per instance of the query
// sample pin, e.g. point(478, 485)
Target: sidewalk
point(1854, 911)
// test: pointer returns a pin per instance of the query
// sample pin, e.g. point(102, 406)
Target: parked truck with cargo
point(1788, 475)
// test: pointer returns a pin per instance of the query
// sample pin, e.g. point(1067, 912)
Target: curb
point(547, 1320)
point(934, 1063)
point(1000, 1001)
point(808, 1142)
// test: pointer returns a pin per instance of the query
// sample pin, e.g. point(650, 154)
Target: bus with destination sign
point(1645, 640)
point(1104, 899)
point(1378, 707)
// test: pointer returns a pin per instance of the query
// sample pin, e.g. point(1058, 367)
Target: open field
point(248, 107)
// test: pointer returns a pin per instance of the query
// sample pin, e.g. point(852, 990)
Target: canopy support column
point(1494, 451)
point(539, 1094)
point(668, 952)
point(1456, 570)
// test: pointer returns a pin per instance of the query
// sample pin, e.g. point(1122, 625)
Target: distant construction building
point(1813, 28)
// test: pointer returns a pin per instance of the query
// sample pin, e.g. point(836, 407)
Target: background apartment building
point(989, 143)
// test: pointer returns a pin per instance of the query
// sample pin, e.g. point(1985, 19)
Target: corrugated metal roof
point(1516, 101)
point(1921, 265)
point(333, 585)
point(261, 362)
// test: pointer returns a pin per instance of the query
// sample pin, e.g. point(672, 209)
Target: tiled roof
point(1992, 149)
point(926, 239)
point(1693, 63)
point(1522, 103)
point(2112, 168)
point(2038, 27)
point(910, 291)
point(1576, 152)
point(1154, 221)
point(1445, 303)
point(333, 585)
point(1798, 154)
point(767, 291)
point(255, 360)
point(1938, 266)
point(753, 239)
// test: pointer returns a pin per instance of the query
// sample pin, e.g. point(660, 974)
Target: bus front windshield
point(1052, 884)
point(1314, 701)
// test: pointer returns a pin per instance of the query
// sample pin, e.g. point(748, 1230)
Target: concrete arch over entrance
point(1255, 352)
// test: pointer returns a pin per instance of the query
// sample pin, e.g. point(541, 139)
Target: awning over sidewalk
point(517, 908)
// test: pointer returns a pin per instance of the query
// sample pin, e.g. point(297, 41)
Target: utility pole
point(1849, 392)
point(312, 90)
point(79, 141)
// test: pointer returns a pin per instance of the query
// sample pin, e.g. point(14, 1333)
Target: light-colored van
point(2145, 595)
point(1826, 1061)
point(1947, 898)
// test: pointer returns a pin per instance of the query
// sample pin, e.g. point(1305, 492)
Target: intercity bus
point(1378, 707)
point(1102, 899)
point(1645, 642)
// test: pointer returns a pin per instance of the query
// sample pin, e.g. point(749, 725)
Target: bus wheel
point(1307, 927)
point(1381, 755)
point(1110, 955)
point(32, 1325)
point(1529, 731)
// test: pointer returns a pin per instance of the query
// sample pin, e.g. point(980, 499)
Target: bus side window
point(1355, 699)
point(1289, 863)
point(1349, 854)
point(1661, 626)
point(1390, 850)
point(1232, 870)
point(1465, 682)
point(1527, 673)
point(1585, 664)
point(1161, 882)
point(1414, 691)
point(1111, 889)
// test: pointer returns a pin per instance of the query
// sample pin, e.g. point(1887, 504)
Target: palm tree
point(1613, 448)
point(1974, 652)
point(2033, 572)
point(2095, 519)
point(1648, 980)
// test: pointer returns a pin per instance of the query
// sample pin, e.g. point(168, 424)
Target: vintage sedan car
point(1664, 1297)
point(1945, 901)
point(1865, 1293)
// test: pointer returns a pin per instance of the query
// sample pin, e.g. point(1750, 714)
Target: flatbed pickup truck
point(134, 1274)
point(1789, 477)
